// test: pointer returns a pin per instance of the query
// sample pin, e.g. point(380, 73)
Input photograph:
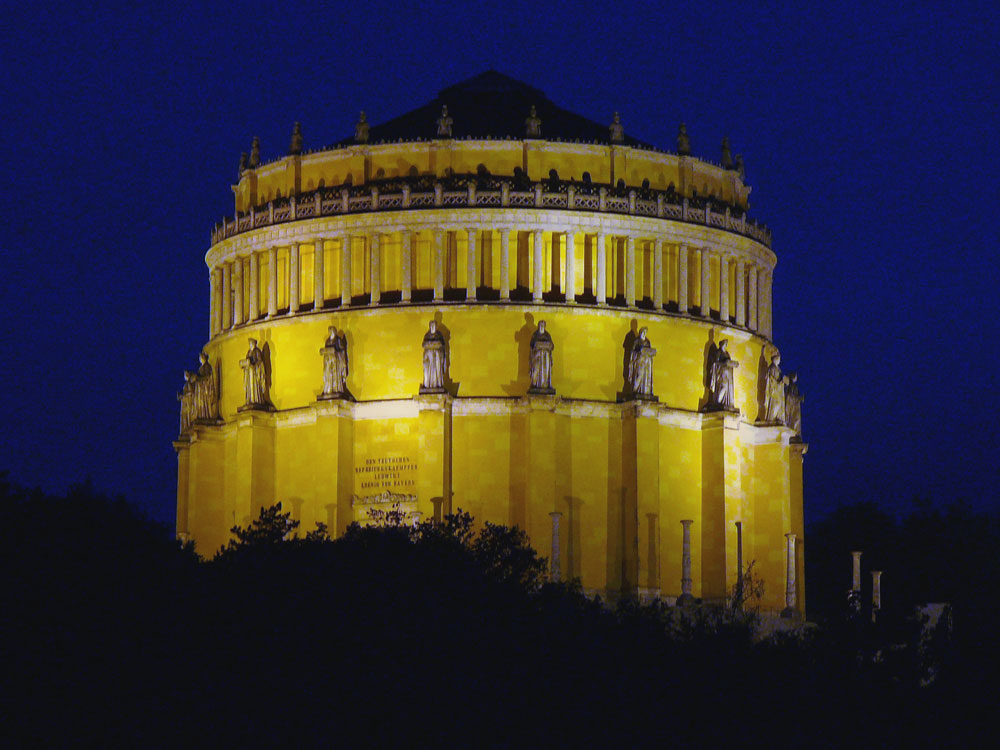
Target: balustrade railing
point(571, 197)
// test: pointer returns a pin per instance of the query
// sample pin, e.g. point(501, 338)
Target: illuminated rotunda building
point(395, 285)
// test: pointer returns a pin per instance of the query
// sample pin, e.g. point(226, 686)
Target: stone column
point(876, 592)
point(214, 302)
point(254, 287)
point(682, 279)
point(686, 581)
point(739, 561)
point(706, 283)
point(602, 269)
point(505, 263)
point(294, 277)
point(765, 298)
point(752, 301)
point(537, 270)
point(471, 265)
point(658, 273)
point(789, 610)
point(555, 565)
point(630, 271)
point(272, 282)
point(741, 300)
point(856, 572)
point(724, 288)
point(406, 265)
point(570, 267)
point(237, 282)
point(319, 267)
point(375, 264)
point(438, 264)
point(762, 301)
point(227, 285)
point(345, 270)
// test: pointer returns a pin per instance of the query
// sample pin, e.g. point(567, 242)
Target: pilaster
point(319, 282)
point(658, 274)
point(682, 279)
point(630, 271)
point(570, 267)
point(537, 265)
point(253, 260)
point(294, 278)
point(705, 301)
point(602, 269)
point(504, 263)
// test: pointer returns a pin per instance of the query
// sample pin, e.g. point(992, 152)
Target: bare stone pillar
point(682, 279)
point(739, 561)
point(438, 264)
point(741, 299)
point(294, 277)
point(789, 610)
point(658, 273)
point(876, 593)
point(602, 269)
point(227, 286)
point(762, 301)
point(254, 287)
point(706, 283)
point(856, 574)
point(630, 271)
point(555, 566)
point(570, 267)
point(272, 282)
point(686, 581)
point(319, 268)
point(752, 302)
point(237, 281)
point(766, 324)
point(375, 263)
point(537, 270)
point(406, 265)
point(345, 270)
point(504, 263)
point(471, 266)
point(724, 288)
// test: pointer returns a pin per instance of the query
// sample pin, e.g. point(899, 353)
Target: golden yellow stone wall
point(623, 475)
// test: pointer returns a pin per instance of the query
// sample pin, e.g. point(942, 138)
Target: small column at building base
point(790, 594)
point(686, 597)
point(555, 565)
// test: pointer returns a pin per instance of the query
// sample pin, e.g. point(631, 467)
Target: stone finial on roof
point(444, 123)
point(727, 158)
point(616, 130)
point(296, 145)
point(243, 163)
point(683, 142)
point(740, 169)
point(533, 125)
point(361, 129)
point(255, 153)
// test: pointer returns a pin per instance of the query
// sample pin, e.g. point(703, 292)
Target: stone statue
point(255, 153)
point(533, 125)
point(444, 123)
point(793, 404)
point(727, 157)
point(361, 129)
point(206, 394)
point(335, 365)
point(186, 397)
point(540, 364)
point(740, 168)
point(721, 392)
point(435, 360)
point(640, 367)
point(774, 392)
point(254, 378)
point(683, 142)
point(616, 130)
point(296, 145)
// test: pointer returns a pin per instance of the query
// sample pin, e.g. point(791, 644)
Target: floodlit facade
point(487, 211)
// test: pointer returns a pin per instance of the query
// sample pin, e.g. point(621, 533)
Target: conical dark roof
point(492, 105)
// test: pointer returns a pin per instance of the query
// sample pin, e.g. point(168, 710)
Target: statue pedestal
point(335, 397)
point(430, 391)
point(541, 391)
point(712, 408)
point(255, 407)
point(649, 397)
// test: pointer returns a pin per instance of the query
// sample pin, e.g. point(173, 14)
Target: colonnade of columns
point(729, 288)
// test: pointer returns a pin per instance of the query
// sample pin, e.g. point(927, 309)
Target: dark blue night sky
point(868, 131)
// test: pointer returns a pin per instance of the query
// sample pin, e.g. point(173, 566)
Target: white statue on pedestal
point(540, 364)
point(335, 365)
point(721, 388)
point(640, 367)
point(255, 378)
point(435, 360)
point(774, 392)
point(206, 394)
